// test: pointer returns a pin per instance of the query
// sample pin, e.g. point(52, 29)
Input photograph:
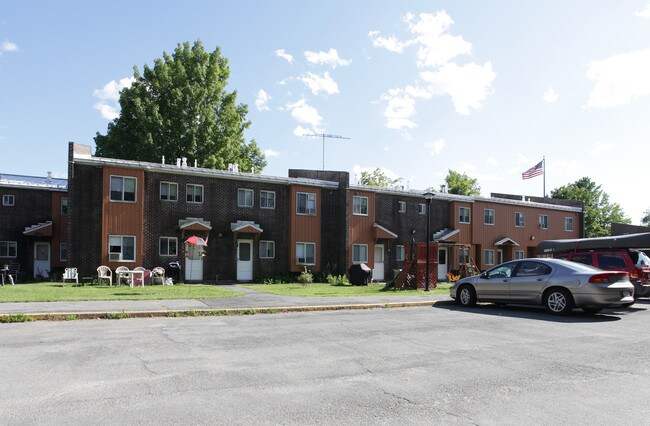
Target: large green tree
point(378, 178)
point(598, 210)
point(462, 184)
point(181, 108)
point(645, 220)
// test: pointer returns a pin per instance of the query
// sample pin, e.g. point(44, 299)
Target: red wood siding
point(361, 231)
point(304, 228)
point(59, 229)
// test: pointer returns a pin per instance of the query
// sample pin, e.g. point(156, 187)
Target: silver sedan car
point(557, 284)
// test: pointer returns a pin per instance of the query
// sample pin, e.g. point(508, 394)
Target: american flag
point(536, 170)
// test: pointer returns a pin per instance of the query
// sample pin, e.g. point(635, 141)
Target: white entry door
point(244, 260)
point(378, 271)
point(442, 263)
point(193, 262)
point(499, 256)
point(42, 263)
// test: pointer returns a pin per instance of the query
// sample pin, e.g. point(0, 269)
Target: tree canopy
point(180, 108)
point(378, 178)
point(461, 184)
point(645, 220)
point(599, 212)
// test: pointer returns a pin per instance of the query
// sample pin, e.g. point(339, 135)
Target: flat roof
point(34, 182)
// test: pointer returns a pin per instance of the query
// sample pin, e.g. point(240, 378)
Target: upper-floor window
point(8, 200)
point(463, 215)
point(169, 191)
point(360, 205)
point(267, 199)
point(519, 220)
point(401, 206)
point(568, 224)
point(488, 215)
point(245, 197)
point(121, 248)
point(63, 252)
point(123, 188)
point(399, 253)
point(359, 253)
point(168, 246)
point(8, 248)
point(543, 221)
point(463, 255)
point(194, 193)
point(267, 249)
point(64, 206)
point(422, 208)
point(519, 254)
point(306, 203)
point(488, 257)
point(306, 253)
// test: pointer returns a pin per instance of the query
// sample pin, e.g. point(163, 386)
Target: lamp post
point(428, 196)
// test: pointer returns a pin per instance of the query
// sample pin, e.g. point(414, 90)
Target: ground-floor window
point(359, 253)
point(519, 254)
point(121, 248)
point(306, 253)
point(63, 252)
point(8, 248)
point(488, 256)
point(399, 253)
point(168, 246)
point(267, 249)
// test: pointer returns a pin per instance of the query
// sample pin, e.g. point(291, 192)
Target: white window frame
point(248, 196)
point(8, 200)
point(493, 216)
point(358, 205)
point(120, 255)
point(169, 186)
point(519, 254)
point(5, 249)
point(310, 196)
point(463, 254)
point(520, 220)
point(63, 248)
point(461, 216)
point(358, 256)
point(401, 206)
point(422, 208)
point(187, 193)
point(122, 198)
point(305, 258)
point(568, 224)
point(488, 257)
point(400, 253)
point(543, 221)
point(267, 249)
point(264, 201)
point(169, 240)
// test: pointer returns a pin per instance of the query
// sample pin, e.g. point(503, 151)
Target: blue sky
point(486, 88)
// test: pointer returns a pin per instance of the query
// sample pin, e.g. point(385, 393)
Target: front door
point(378, 271)
point(194, 262)
point(42, 260)
point(442, 263)
point(244, 260)
point(499, 256)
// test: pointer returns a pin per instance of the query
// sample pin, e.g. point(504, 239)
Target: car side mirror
point(485, 276)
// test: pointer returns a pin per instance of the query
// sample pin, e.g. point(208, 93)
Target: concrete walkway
point(250, 299)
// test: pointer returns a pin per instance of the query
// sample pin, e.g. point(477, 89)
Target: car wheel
point(592, 311)
point(466, 296)
point(559, 301)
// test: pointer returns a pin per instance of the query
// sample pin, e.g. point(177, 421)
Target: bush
point(337, 279)
point(305, 277)
point(278, 279)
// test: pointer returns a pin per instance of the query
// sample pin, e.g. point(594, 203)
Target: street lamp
point(428, 196)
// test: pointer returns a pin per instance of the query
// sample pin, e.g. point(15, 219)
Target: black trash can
point(175, 271)
point(360, 274)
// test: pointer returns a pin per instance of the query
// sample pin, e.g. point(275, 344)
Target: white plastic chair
point(70, 274)
point(104, 273)
point(158, 273)
point(128, 279)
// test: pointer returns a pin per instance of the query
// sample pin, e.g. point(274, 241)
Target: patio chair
point(158, 273)
point(70, 274)
point(14, 268)
point(137, 279)
point(104, 273)
point(123, 278)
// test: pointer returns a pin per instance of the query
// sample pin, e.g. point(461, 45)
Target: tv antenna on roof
point(324, 135)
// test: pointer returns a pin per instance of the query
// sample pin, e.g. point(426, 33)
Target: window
point(360, 205)
point(245, 197)
point(463, 255)
point(568, 224)
point(611, 261)
point(168, 191)
point(543, 221)
point(519, 220)
point(306, 203)
point(519, 254)
point(267, 199)
point(463, 214)
point(488, 257)
point(400, 253)
point(123, 188)
point(401, 206)
point(267, 249)
point(306, 253)
point(194, 193)
point(530, 268)
point(8, 200)
point(63, 252)
point(121, 248)
point(359, 253)
point(585, 259)
point(168, 246)
point(488, 215)
point(422, 208)
point(64, 206)
point(8, 248)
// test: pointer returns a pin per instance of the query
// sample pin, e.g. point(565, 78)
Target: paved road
point(428, 365)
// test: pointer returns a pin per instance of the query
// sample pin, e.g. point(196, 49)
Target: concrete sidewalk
point(250, 300)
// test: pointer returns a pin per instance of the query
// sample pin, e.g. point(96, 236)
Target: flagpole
point(544, 187)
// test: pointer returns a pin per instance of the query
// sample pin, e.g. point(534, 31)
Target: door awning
point(246, 226)
point(194, 224)
point(39, 230)
point(445, 234)
point(506, 242)
point(379, 231)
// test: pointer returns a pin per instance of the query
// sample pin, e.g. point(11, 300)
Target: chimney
point(178, 162)
point(163, 160)
point(184, 162)
point(49, 177)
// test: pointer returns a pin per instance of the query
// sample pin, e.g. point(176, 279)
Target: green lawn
point(339, 290)
point(55, 292)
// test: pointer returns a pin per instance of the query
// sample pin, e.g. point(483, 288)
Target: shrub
point(15, 318)
point(337, 279)
point(305, 277)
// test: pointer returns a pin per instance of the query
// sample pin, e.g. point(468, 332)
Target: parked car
point(557, 284)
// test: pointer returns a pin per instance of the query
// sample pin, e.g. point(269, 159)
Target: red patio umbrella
point(197, 241)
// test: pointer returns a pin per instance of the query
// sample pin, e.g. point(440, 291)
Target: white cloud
point(262, 100)
point(330, 57)
point(108, 112)
point(400, 107)
point(271, 153)
point(600, 148)
point(435, 46)
point(435, 147)
point(320, 83)
point(281, 53)
point(111, 93)
point(390, 43)
point(550, 95)
point(8, 46)
point(303, 113)
point(492, 161)
point(619, 79)
point(645, 13)
point(302, 131)
point(357, 170)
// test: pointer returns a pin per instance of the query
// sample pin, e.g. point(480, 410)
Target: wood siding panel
point(361, 231)
point(304, 228)
point(59, 229)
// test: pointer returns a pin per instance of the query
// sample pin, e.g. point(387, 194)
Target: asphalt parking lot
point(440, 364)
